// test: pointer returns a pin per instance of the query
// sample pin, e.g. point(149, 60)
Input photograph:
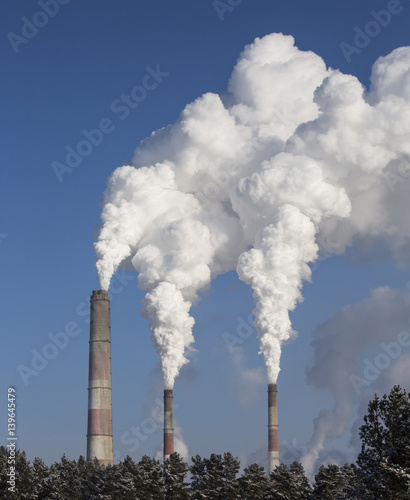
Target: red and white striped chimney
point(168, 424)
point(273, 433)
point(99, 430)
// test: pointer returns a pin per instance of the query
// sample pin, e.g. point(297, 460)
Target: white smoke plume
point(249, 179)
point(292, 195)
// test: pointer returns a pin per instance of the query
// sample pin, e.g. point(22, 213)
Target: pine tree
point(384, 460)
point(215, 477)
point(281, 480)
point(254, 483)
point(231, 466)
point(65, 479)
point(121, 482)
point(353, 488)
point(302, 484)
point(174, 471)
point(328, 483)
point(149, 480)
point(198, 477)
point(96, 486)
point(40, 479)
point(212, 480)
point(289, 483)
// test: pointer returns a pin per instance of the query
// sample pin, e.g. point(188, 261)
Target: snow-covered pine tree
point(121, 481)
point(254, 483)
point(174, 471)
point(231, 466)
point(40, 480)
point(384, 460)
point(95, 485)
point(66, 480)
point(289, 483)
point(353, 488)
point(198, 477)
point(215, 477)
point(150, 483)
point(210, 482)
point(328, 483)
point(302, 483)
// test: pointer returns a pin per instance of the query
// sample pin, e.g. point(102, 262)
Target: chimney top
point(100, 295)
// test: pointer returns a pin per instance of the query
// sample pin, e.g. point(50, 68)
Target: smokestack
point(99, 430)
point(168, 424)
point(273, 434)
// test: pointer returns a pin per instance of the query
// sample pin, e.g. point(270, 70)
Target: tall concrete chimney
point(99, 429)
point(168, 424)
point(273, 434)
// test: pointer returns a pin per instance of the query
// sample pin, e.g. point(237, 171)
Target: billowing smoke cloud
point(250, 179)
point(360, 350)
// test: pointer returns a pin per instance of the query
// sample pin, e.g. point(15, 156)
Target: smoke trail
point(293, 197)
point(171, 327)
point(249, 179)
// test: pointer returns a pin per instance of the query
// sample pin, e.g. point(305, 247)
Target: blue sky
point(64, 80)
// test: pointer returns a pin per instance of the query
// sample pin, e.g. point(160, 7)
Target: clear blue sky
point(64, 80)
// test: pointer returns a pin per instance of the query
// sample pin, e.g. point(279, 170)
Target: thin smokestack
point(99, 430)
point(168, 423)
point(273, 434)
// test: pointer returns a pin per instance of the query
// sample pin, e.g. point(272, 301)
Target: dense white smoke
point(292, 197)
point(250, 179)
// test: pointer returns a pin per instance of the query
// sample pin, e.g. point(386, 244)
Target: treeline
point(382, 471)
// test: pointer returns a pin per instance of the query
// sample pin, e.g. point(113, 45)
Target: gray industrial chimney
point(168, 424)
point(99, 430)
point(273, 434)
